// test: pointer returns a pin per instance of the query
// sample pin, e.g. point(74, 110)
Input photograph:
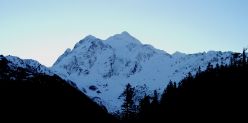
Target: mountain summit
point(102, 68)
point(123, 37)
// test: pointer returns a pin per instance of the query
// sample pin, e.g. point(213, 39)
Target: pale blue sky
point(43, 29)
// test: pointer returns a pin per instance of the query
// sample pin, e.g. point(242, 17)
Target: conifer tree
point(128, 106)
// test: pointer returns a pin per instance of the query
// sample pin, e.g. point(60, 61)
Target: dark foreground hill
point(27, 96)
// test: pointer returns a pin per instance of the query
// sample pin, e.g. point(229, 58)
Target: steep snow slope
point(102, 68)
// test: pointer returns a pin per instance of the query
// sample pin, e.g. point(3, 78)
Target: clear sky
point(43, 29)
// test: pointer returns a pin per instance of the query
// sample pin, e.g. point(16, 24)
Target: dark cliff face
point(31, 96)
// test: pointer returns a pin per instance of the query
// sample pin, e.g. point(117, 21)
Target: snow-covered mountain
point(102, 68)
point(32, 66)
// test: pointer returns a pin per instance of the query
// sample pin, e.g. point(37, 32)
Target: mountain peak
point(90, 37)
point(122, 38)
point(125, 33)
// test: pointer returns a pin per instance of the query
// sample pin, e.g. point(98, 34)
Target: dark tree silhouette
point(144, 108)
point(128, 106)
point(244, 56)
